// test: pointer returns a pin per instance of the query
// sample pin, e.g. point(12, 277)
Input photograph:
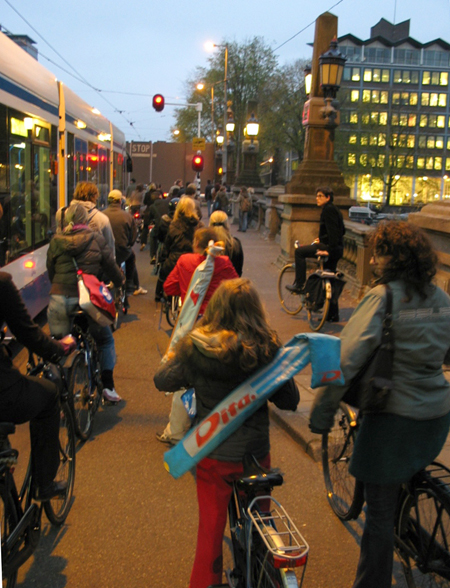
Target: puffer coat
point(91, 253)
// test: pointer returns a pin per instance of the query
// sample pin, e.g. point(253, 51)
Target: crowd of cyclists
point(233, 339)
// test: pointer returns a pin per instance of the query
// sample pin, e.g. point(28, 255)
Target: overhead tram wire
point(80, 77)
point(304, 28)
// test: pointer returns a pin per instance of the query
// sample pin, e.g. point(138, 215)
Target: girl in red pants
point(231, 342)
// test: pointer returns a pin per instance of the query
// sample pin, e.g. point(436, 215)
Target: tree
point(251, 66)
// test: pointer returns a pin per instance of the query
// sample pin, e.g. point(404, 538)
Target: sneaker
point(139, 291)
point(53, 490)
point(295, 288)
point(153, 261)
point(142, 247)
point(111, 395)
point(162, 437)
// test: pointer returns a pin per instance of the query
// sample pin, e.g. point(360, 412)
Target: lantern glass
point(252, 129)
point(230, 126)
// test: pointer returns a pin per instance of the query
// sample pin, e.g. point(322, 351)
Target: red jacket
point(177, 282)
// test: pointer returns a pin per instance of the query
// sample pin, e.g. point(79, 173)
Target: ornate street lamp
point(331, 64)
point(252, 128)
point(230, 121)
point(308, 79)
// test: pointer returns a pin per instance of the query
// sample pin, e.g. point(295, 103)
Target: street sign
point(198, 144)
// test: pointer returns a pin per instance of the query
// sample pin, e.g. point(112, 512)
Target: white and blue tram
point(50, 139)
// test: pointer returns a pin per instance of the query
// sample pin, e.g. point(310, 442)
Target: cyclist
point(231, 342)
point(233, 247)
point(25, 398)
point(393, 445)
point(92, 255)
point(330, 242)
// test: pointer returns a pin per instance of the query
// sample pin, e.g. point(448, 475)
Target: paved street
point(131, 524)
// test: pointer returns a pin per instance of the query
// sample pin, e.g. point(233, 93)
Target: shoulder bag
point(95, 299)
point(370, 389)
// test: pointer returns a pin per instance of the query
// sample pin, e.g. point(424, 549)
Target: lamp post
point(249, 175)
point(331, 64)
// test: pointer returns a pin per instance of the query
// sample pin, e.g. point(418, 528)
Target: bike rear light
point(29, 264)
point(281, 562)
point(136, 215)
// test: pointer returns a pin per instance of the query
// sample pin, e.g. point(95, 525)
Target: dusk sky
point(135, 49)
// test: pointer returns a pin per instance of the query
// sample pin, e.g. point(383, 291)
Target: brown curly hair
point(412, 257)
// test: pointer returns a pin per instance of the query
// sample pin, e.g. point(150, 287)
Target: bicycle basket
point(314, 292)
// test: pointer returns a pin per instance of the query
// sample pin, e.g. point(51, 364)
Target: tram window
point(80, 161)
point(21, 185)
point(92, 163)
point(41, 134)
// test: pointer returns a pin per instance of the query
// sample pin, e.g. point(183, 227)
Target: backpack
point(246, 204)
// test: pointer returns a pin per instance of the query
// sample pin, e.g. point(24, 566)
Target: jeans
point(209, 205)
point(243, 220)
point(59, 320)
point(36, 400)
point(377, 544)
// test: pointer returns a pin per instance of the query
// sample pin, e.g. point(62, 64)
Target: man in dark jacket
point(153, 215)
point(125, 233)
point(24, 398)
point(330, 242)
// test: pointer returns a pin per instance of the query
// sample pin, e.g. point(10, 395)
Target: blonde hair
point(219, 221)
point(236, 306)
point(185, 208)
point(86, 192)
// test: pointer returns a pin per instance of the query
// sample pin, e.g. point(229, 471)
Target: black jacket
point(200, 362)
point(14, 313)
point(332, 229)
point(124, 229)
point(178, 241)
point(90, 251)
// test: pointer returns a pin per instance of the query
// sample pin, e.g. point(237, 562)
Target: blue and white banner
point(322, 351)
point(198, 286)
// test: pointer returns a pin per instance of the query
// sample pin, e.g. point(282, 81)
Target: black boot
point(295, 288)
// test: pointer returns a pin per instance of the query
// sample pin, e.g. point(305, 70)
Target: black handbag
point(370, 389)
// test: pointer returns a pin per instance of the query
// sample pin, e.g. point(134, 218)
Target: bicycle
point(86, 388)
point(316, 300)
point(267, 547)
point(172, 308)
point(422, 526)
point(20, 514)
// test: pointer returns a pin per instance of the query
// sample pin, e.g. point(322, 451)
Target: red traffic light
point(158, 102)
point(197, 163)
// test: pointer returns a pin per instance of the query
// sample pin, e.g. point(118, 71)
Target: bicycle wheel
point(317, 318)
point(237, 574)
point(9, 519)
point(173, 310)
point(291, 302)
point(58, 508)
point(79, 398)
point(345, 494)
point(424, 533)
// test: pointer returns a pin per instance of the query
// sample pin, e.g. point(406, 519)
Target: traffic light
point(158, 102)
point(197, 163)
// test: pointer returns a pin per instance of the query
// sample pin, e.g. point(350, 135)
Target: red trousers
point(214, 487)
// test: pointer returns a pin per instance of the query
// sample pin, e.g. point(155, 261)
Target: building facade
point(393, 143)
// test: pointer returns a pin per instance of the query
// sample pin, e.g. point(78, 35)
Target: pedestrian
point(221, 200)
point(78, 242)
point(136, 200)
point(244, 201)
point(393, 445)
point(230, 343)
point(130, 188)
point(233, 247)
point(330, 242)
point(125, 233)
point(208, 196)
point(191, 191)
point(179, 240)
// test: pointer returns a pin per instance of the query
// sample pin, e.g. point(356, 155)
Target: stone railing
point(355, 263)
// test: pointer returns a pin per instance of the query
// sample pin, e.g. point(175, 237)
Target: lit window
point(425, 99)
point(413, 98)
point(380, 161)
point(439, 142)
point(447, 163)
point(431, 142)
point(403, 120)
point(354, 118)
point(366, 96)
point(438, 163)
point(374, 117)
point(443, 78)
point(356, 74)
point(354, 95)
point(384, 97)
point(432, 120)
point(405, 98)
point(394, 119)
point(397, 76)
point(365, 119)
point(440, 121)
point(429, 162)
point(383, 118)
point(376, 96)
point(364, 139)
point(385, 76)
point(351, 159)
point(414, 77)
point(406, 76)
point(433, 99)
point(426, 78)
point(376, 75)
point(373, 140)
point(400, 161)
point(396, 98)
point(381, 139)
point(363, 159)
point(422, 142)
point(420, 162)
point(423, 120)
point(409, 161)
point(435, 77)
point(442, 100)
point(367, 75)
point(411, 141)
point(352, 139)
point(412, 120)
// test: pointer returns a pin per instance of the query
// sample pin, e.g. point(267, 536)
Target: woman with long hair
point(394, 444)
point(231, 342)
point(179, 239)
point(233, 247)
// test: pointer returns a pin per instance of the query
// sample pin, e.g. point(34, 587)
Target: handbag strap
point(387, 337)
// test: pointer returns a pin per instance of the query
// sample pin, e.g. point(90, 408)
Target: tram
point(50, 139)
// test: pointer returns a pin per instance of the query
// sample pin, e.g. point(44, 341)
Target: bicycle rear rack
point(279, 533)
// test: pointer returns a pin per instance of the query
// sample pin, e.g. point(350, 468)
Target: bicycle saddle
point(256, 476)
